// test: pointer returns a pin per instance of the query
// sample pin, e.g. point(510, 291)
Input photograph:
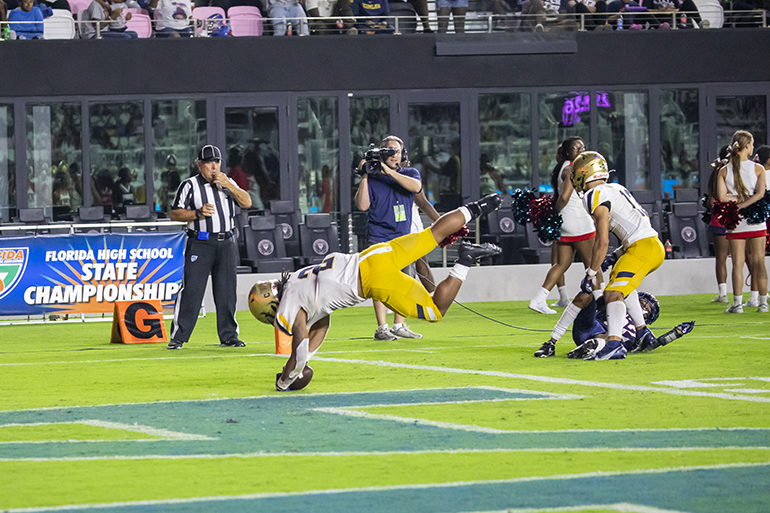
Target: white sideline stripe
point(548, 379)
point(347, 454)
point(164, 434)
point(622, 507)
point(427, 486)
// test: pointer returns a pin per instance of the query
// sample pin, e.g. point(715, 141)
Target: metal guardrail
point(71, 227)
point(484, 22)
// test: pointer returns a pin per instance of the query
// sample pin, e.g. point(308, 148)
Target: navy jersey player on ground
point(300, 304)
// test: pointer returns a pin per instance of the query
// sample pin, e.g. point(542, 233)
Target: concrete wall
point(521, 282)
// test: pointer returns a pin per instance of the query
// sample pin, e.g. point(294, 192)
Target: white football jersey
point(319, 290)
point(628, 220)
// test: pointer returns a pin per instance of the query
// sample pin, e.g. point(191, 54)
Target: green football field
point(463, 420)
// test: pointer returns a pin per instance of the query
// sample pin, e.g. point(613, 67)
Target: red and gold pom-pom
point(545, 220)
point(451, 239)
point(726, 214)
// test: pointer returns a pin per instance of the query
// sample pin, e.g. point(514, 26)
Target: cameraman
point(387, 193)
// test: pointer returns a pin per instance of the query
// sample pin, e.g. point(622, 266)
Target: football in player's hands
point(300, 383)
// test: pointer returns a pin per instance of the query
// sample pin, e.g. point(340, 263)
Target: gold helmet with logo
point(263, 301)
point(588, 167)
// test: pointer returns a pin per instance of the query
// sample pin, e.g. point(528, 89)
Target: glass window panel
point(178, 132)
point(55, 157)
point(560, 115)
point(504, 142)
point(319, 154)
point(434, 150)
point(252, 133)
point(117, 154)
point(679, 139)
point(624, 136)
point(741, 113)
point(7, 163)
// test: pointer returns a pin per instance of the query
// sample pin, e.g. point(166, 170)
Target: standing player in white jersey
point(614, 209)
point(300, 304)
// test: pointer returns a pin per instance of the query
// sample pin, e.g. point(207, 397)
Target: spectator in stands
point(663, 13)
point(123, 192)
point(173, 18)
point(595, 12)
point(29, 20)
point(102, 185)
point(457, 9)
point(99, 16)
point(234, 159)
point(377, 12)
point(282, 10)
point(119, 24)
point(535, 11)
point(331, 9)
point(63, 191)
point(490, 179)
point(3, 11)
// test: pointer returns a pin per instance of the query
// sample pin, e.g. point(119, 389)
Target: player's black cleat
point(233, 342)
point(175, 344)
point(469, 254)
point(678, 332)
point(547, 350)
point(485, 205)
point(645, 341)
point(584, 349)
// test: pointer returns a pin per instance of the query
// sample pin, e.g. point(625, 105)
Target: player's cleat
point(752, 302)
point(404, 332)
point(277, 385)
point(678, 331)
point(562, 303)
point(384, 334)
point(762, 309)
point(547, 350)
point(645, 341)
point(719, 299)
point(541, 307)
point(607, 350)
point(735, 308)
point(470, 254)
point(175, 344)
point(584, 349)
point(485, 205)
point(233, 342)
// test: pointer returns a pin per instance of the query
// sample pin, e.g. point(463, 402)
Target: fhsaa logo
point(13, 262)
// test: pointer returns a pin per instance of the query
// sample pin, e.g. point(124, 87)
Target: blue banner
point(85, 273)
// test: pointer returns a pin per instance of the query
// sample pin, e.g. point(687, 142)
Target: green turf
point(67, 365)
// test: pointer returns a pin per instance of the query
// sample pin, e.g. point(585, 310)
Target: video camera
point(373, 157)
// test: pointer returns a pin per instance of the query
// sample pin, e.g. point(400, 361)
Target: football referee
point(206, 202)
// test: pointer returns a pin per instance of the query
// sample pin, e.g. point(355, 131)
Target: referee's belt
point(210, 236)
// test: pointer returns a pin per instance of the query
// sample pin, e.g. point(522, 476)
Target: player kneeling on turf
point(299, 304)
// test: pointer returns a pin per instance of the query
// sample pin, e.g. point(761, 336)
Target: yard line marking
point(164, 434)
point(547, 379)
point(622, 507)
point(426, 486)
point(346, 454)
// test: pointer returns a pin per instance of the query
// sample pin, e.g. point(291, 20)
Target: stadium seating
point(79, 5)
point(141, 24)
point(502, 230)
point(265, 251)
point(536, 252)
point(711, 11)
point(245, 20)
point(288, 218)
point(209, 18)
point(60, 25)
point(318, 238)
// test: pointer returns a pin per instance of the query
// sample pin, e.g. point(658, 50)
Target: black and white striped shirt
point(195, 192)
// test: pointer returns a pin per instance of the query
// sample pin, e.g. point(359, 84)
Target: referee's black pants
point(201, 259)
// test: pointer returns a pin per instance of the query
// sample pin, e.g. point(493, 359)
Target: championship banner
point(86, 273)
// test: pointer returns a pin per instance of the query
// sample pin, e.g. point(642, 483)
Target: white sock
point(459, 271)
point(616, 318)
point(563, 293)
point(763, 300)
point(565, 321)
point(466, 213)
point(723, 289)
point(754, 295)
point(634, 309)
point(738, 299)
point(383, 327)
point(541, 295)
point(398, 325)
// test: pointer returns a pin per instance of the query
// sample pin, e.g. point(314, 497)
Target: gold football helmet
point(588, 167)
point(263, 302)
